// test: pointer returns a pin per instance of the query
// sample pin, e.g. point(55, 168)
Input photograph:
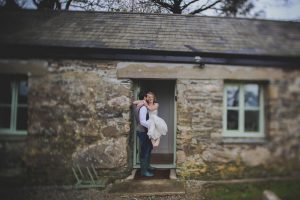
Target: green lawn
point(286, 190)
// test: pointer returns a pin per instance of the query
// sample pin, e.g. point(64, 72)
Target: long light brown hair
point(154, 97)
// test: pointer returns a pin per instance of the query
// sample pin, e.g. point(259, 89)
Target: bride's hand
point(145, 103)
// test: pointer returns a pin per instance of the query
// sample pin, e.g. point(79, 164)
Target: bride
point(157, 126)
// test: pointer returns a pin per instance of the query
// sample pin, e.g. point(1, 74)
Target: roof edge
point(153, 14)
point(58, 52)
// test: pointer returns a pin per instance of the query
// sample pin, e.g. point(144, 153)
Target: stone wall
point(284, 120)
point(79, 114)
point(202, 153)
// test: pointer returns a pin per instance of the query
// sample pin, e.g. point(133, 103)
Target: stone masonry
point(79, 114)
point(201, 153)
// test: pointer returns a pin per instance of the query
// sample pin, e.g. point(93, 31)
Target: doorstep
point(149, 187)
point(158, 174)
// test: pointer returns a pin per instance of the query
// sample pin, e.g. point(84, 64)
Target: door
point(163, 156)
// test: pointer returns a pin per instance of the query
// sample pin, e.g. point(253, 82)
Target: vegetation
point(218, 7)
point(287, 190)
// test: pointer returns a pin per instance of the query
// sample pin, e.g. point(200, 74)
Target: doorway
point(163, 156)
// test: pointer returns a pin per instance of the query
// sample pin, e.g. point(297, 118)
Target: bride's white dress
point(157, 126)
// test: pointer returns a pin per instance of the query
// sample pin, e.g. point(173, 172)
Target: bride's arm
point(138, 103)
point(152, 107)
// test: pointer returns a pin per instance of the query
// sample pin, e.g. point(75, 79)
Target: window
point(13, 104)
point(243, 114)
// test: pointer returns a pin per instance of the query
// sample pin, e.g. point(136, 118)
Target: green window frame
point(13, 105)
point(243, 110)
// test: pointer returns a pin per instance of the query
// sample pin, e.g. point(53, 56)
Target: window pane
point(232, 120)
point(252, 121)
point(5, 117)
point(22, 118)
point(252, 95)
point(232, 96)
point(23, 90)
point(5, 88)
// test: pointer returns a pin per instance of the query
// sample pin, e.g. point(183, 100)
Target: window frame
point(241, 110)
point(14, 81)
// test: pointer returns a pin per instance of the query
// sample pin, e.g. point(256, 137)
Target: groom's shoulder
point(136, 108)
point(143, 106)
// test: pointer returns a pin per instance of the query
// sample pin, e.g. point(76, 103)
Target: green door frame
point(136, 90)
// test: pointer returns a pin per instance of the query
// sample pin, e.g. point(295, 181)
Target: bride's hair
point(154, 97)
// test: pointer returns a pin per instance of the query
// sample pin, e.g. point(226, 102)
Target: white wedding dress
point(157, 127)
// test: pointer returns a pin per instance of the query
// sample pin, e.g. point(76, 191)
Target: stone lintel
point(144, 70)
point(28, 67)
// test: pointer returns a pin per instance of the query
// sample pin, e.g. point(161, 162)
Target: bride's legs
point(155, 143)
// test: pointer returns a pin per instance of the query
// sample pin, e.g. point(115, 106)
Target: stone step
point(149, 187)
point(158, 174)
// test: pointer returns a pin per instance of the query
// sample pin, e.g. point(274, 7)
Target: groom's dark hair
point(142, 94)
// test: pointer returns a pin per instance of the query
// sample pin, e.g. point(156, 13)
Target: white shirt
point(142, 116)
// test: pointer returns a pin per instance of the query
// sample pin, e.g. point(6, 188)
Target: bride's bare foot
point(155, 143)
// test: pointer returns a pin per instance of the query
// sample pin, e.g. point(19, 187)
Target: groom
point(145, 143)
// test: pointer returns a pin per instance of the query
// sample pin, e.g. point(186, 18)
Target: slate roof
point(132, 31)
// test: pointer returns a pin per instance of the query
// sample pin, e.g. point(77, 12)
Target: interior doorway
point(163, 156)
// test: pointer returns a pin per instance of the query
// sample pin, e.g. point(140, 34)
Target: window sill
point(13, 133)
point(240, 140)
point(12, 137)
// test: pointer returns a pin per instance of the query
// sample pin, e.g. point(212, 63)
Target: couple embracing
point(149, 129)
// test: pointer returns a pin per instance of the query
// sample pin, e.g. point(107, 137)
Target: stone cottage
point(228, 88)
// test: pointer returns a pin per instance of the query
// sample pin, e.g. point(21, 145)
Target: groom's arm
point(143, 114)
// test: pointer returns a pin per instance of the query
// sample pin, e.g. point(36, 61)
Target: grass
point(286, 190)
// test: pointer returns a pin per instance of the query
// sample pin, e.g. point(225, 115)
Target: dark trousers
point(146, 146)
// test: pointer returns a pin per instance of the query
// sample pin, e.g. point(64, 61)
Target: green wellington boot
point(149, 167)
point(144, 170)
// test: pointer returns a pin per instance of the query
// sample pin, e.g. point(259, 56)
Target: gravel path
point(82, 194)
point(194, 190)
